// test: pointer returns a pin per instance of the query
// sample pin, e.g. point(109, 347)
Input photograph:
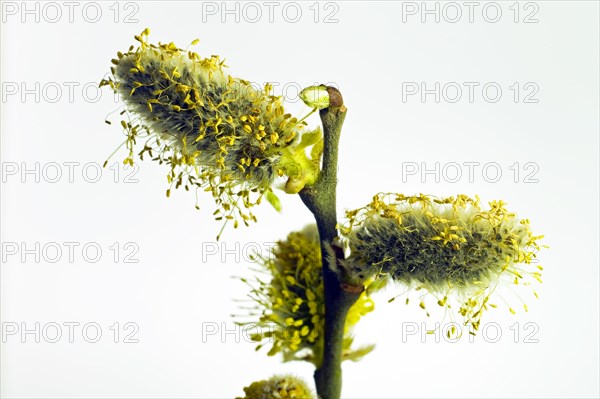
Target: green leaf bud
point(315, 96)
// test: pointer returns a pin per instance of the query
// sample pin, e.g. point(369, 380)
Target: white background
point(177, 287)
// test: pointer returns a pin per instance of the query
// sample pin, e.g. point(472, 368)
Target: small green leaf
point(377, 285)
point(310, 138)
point(274, 200)
point(358, 354)
point(317, 150)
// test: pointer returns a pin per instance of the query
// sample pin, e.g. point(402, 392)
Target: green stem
point(320, 199)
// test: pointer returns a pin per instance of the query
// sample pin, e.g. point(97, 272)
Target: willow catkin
point(279, 387)
point(291, 302)
point(214, 131)
point(450, 247)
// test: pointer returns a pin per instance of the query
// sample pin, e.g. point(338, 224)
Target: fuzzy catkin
point(290, 302)
point(196, 106)
point(279, 387)
point(214, 131)
point(447, 246)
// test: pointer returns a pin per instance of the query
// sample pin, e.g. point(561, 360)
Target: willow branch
point(320, 199)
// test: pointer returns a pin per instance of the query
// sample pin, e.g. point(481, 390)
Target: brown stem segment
point(320, 199)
